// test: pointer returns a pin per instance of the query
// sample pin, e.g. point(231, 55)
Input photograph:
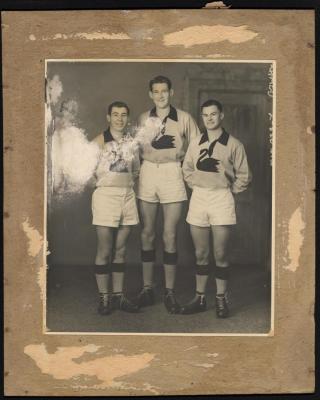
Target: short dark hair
point(118, 104)
point(160, 79)
point(212, 102)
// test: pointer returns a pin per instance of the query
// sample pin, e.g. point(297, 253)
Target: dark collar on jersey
point(107, 136)
point(223, 138)
point(172, 113)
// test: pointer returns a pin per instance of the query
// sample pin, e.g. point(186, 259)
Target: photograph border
point(272, 138)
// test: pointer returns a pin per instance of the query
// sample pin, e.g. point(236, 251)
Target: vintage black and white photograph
point(159, 195)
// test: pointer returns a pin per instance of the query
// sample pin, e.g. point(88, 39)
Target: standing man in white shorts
point(161, 181)
point(114, 208)
point(214, 167)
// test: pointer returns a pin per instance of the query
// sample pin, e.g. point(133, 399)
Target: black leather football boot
point(222, 309)
point(146, 297)
point(171, 303)
point(197, 305)
point(105, 304)
point(120, 302)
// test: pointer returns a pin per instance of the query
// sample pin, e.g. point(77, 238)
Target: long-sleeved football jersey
point(221, 163)
point(172, 138)
point(119, 162)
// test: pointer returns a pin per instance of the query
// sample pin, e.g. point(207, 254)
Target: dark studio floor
point(72, 303)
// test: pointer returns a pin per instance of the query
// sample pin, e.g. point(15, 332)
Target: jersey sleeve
point(191, 130)
point(242, 171)
point(188, 167)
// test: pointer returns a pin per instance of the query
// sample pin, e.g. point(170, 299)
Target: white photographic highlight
point(149, 131)
point(74, 159)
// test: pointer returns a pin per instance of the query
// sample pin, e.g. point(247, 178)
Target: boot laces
point(104, 298)
point(222, 301)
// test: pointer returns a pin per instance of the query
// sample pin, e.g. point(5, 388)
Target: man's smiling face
point(118, 118)
point(212, 117)
point(160, 94)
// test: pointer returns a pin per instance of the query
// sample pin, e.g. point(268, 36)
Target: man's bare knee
point(220, 257)
point(169, 241)
point(147, 238)
point(202, 256)
point(119, 255)
point(103, 256)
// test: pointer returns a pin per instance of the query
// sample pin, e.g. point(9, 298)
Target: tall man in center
point(161, 181)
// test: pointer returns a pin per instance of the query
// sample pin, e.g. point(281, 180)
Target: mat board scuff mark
point(209, 56)
point(295, 240)
point(191, 348)
point(311, 130)
point(218, 55)
point(205, 34)
point(212, 355)
point(34, 237)
point(145, 387)
point(98, 35)
point(204, 365)
point(104, 368)
point(42, 280)
point(34, 248)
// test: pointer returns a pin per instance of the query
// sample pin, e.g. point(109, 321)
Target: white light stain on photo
point(74, 157)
